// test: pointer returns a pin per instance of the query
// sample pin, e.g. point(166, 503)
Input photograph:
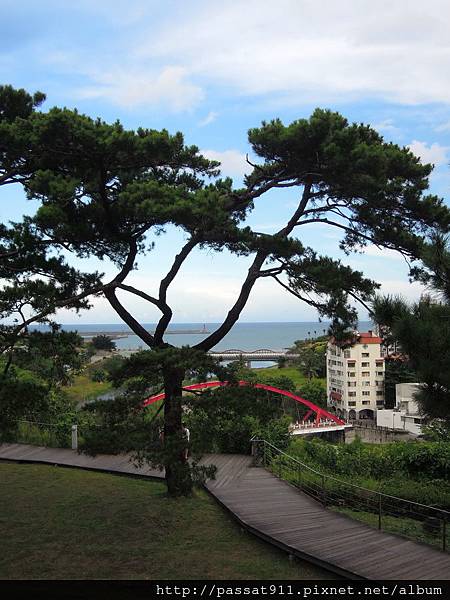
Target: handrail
point(386, 503)
point(292, 458)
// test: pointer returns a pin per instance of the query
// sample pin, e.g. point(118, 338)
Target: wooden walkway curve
point(280, 514)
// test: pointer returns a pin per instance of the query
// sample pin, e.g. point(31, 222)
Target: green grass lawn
point(84, 388)
point(291, 372)
point(58, 523)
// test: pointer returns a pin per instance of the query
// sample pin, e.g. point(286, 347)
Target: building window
point(366, 393)
point(365, 355)
point(346, 353)
point(380, 393)
point(352, 365)
point(366, 383)
point(350, 374)
point(365, 364)
point(379, 363)
point(352, 403)
point(380, 373)
point(365, 374)
point(366, 402)
point(351, 383)
point(352, 394)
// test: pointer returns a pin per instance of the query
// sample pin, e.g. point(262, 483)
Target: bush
point(420, 460)
point(98, 375)
point(315, 391)
point(224, 420)
point(103, 342)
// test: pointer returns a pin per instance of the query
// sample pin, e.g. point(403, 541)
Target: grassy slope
point(83, 387)
point(59, 523)
point(291, 372)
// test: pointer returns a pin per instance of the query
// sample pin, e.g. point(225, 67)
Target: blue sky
point(213, 70)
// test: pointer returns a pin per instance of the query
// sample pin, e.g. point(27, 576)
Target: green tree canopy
point(423, 328)
point(103, 342)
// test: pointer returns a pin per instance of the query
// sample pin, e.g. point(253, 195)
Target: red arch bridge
point(323, 420)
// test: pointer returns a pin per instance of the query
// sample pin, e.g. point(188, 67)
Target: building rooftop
point(359, 337)
point(368, 338)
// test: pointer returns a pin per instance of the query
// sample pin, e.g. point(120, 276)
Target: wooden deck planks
point(69, 458)
point(278, 512)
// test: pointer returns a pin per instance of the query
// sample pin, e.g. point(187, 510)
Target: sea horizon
point(244, 335)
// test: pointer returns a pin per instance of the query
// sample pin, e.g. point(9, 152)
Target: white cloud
point(129, 88)
point(306, 51)
point(400, 287)
point(386, 126)
point(383, 253)
point(210, 117)
point(434, 154)
point(232, 162)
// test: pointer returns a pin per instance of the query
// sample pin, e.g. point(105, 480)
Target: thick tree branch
point(273, 271)
point(164, 286)
point(252, 275)
point(358, 299)
point(9, 177)
point(235, 311)
point(110, 295)
point(127, 267)
point(293, 221)
point(134, 325)
point(133, 290)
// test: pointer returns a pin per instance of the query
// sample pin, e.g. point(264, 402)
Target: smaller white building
point(406, 415)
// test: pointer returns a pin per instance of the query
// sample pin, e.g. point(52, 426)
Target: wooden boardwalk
point(280, 514)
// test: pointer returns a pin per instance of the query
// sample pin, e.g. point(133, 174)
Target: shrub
point(419, 460)
point(98, 375)
point(103, 342)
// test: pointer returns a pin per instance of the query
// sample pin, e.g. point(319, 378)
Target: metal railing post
point(314, 483)
point(74, 437)
point(444, 534)
point(379, 511)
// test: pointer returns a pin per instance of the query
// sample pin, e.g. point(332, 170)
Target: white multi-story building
point(355, 376)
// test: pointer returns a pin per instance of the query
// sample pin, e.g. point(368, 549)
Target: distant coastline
point(244, 336)
point(116, 335)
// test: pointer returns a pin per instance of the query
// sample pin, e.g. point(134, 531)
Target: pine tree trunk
point(178, 476)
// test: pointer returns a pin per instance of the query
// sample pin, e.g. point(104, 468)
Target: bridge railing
point(417, 521)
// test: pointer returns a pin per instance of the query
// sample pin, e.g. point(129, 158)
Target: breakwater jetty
point(115, 335)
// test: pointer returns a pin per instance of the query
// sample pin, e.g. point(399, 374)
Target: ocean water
point(243, 336)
